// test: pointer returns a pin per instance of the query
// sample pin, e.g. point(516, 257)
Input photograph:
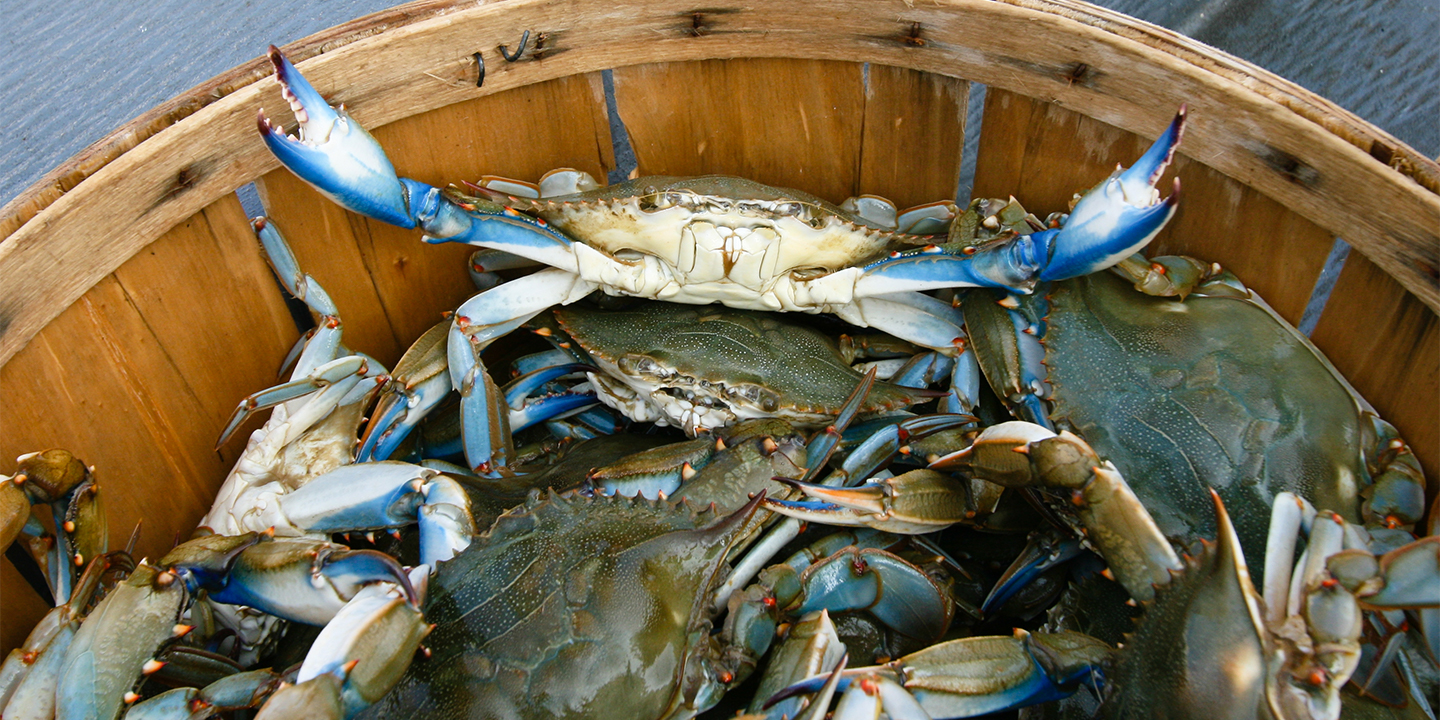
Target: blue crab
point(1187, 380)
point(701, 241)
point(706, 367)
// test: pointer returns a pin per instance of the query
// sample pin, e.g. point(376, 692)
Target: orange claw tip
point(79, 560)
point(151, 667)
point(543, 332)
point(1108, 574)
point(164, 579)
point(19, 478)
point(1022, 449)
point(181, 630)
point(720, 444)
point(347, 667)
point(130, 697)
point(69, 526)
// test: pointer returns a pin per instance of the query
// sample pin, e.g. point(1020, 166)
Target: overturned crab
point(701, 241)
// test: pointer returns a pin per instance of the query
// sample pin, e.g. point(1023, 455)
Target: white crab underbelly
point(739, 272)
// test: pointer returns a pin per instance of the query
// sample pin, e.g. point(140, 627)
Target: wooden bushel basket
point(136, 308)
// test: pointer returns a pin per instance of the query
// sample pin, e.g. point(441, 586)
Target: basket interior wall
point(140, 375)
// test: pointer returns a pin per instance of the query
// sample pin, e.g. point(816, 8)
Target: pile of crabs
point(1034, 485)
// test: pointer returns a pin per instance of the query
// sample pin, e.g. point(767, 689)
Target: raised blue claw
point(334, 153)
point(1116, 218)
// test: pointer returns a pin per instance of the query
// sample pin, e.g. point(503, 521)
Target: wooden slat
point(789, 123)
point(1386, 343)
point(897, 134)
point(1290, 145)
point(138, 377)
point(1043, 154)
point(914, 135)
point(20, 607)
point(390, 287)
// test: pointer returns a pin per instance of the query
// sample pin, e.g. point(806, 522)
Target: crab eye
point(661, 201)
point(809, 273)
point(640, 365)
point(756, 396)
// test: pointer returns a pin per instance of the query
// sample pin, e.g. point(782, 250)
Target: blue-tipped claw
point(334, 153)
point(1042, 552)
point(1118, 217)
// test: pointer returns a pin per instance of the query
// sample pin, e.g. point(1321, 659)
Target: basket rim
point(30, 213)
point(1333, 118)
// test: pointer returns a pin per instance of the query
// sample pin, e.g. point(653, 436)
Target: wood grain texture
point(20, 607)
point(914, 135)
point(829, 128)
point(1043, 154)
point(1387, 344)
point(788, 123)
point(138, 377)
point(389, 286)
point(1268, 134)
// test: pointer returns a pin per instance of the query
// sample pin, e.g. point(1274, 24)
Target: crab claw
point(299, 579)
point(334, 153)
point(978, 675)
point(1118, 217)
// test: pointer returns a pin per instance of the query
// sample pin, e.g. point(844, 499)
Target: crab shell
point(730, 230)
point(575, 607)
point(710, 366)
point(1217, 391)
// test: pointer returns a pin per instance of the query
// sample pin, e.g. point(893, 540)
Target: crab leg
point(375, 495)
point(482, 319)
point(1044, 549)
point(417, 385)
point(298, 579)
point(374, 637)
point(917, 502)
point(56, 478)
point(924, 321)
